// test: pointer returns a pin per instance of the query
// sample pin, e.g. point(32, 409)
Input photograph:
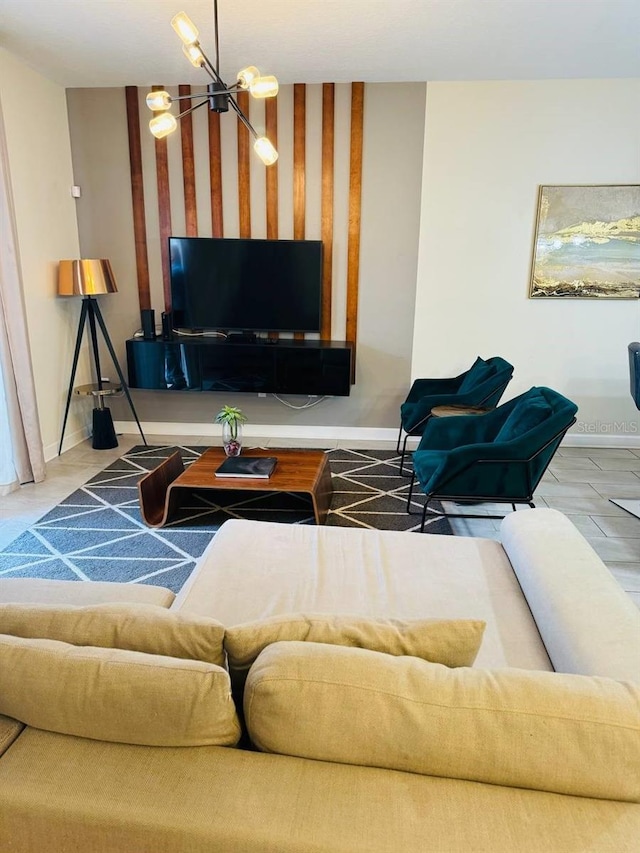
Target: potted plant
point(231, 419)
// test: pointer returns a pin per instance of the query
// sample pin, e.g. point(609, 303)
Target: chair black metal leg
point(413, 478)
point(402, 458)
point(123, 382)
point(81, 322)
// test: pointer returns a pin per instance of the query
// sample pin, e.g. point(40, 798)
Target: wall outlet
point(262, 395)
point(76, 192)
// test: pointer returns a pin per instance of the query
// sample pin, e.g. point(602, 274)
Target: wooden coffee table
point(162, 490)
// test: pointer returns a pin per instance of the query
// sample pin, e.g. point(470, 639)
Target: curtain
point(21, 457)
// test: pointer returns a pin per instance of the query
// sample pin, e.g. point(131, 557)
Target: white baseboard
point(213, 431)
point(603, 440)
point(71, 439)
point(338, 433)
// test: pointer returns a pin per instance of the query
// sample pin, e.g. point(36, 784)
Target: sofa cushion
point(116, 695)
point(589, 624)
point(44, 590)
point(138, 627)
point(9, 731)
point(211, 799)
point(452, 642)
point(298, 568)
point(567, 734)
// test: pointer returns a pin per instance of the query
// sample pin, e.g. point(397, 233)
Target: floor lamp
point(91, 278)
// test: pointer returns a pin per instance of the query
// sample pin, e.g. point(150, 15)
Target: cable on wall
point(308, 405)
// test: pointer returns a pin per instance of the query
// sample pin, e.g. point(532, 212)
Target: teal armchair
point(499, 457)
point(482, 385)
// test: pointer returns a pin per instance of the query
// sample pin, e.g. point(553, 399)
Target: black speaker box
point(167, 326)
point(148, 317)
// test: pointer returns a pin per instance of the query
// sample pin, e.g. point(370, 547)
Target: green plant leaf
point(230, 415)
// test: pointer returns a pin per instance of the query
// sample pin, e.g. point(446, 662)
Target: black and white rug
point(97, 533)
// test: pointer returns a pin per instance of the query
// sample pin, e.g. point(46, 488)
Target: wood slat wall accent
point(355, 197)
point(137, 196)
point(299, 165)
point(188, 166)
point(299, 158)
point(328, 121)
point(215, 174)
point(244, 190)
point(244, 180)
point(271, 132)
point(164, 211)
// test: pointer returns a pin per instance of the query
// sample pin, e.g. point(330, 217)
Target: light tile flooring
point(579, 483)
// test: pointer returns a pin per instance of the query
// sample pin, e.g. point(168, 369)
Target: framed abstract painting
point(587, 243)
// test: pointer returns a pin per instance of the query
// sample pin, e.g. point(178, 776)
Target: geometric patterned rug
point(97, 533)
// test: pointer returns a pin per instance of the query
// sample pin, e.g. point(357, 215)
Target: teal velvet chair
point(481, 385)
point(498, 457)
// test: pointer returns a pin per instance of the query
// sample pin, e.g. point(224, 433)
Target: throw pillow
point(525, 415)
point(136, 627)
point(116, 695)
point(452, 642)
point(569, 734)
point(477, 373)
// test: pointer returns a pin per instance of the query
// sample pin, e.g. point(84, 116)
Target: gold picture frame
point(587, 242)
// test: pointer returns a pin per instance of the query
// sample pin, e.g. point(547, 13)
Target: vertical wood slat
point(137, 197)
point(355, 196)
point(271, 132)
point(188, 166)
point(215, 174)
point(244, 182)
point(164, 212)
point(299, 160)
point(299, 167)
point(328, 121)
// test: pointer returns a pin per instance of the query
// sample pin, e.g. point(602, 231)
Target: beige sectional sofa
point(363, 740)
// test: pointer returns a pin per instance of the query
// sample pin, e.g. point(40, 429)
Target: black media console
point(214, 364)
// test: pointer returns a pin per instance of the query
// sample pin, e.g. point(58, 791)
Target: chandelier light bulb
point(162, 125)
point(185, 28)
point(247, 76)
point(265, 151)
point(157, 101)
point(264, 87)
point(193, 54)
point(218, 93)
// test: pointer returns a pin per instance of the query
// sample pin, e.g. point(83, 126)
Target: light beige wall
point(35, 114)
point(393, 140)
point(488, 146)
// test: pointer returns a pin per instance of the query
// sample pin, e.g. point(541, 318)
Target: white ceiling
point(120, 42)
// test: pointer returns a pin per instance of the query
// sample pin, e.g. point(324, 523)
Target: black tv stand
point(206, 363)
point(242, 337)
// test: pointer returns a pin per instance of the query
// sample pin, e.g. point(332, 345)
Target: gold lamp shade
point(85, 278)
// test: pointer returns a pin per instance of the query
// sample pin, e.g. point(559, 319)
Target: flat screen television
point(246, 285)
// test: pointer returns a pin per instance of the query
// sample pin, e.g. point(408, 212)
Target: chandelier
point(218, 96)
